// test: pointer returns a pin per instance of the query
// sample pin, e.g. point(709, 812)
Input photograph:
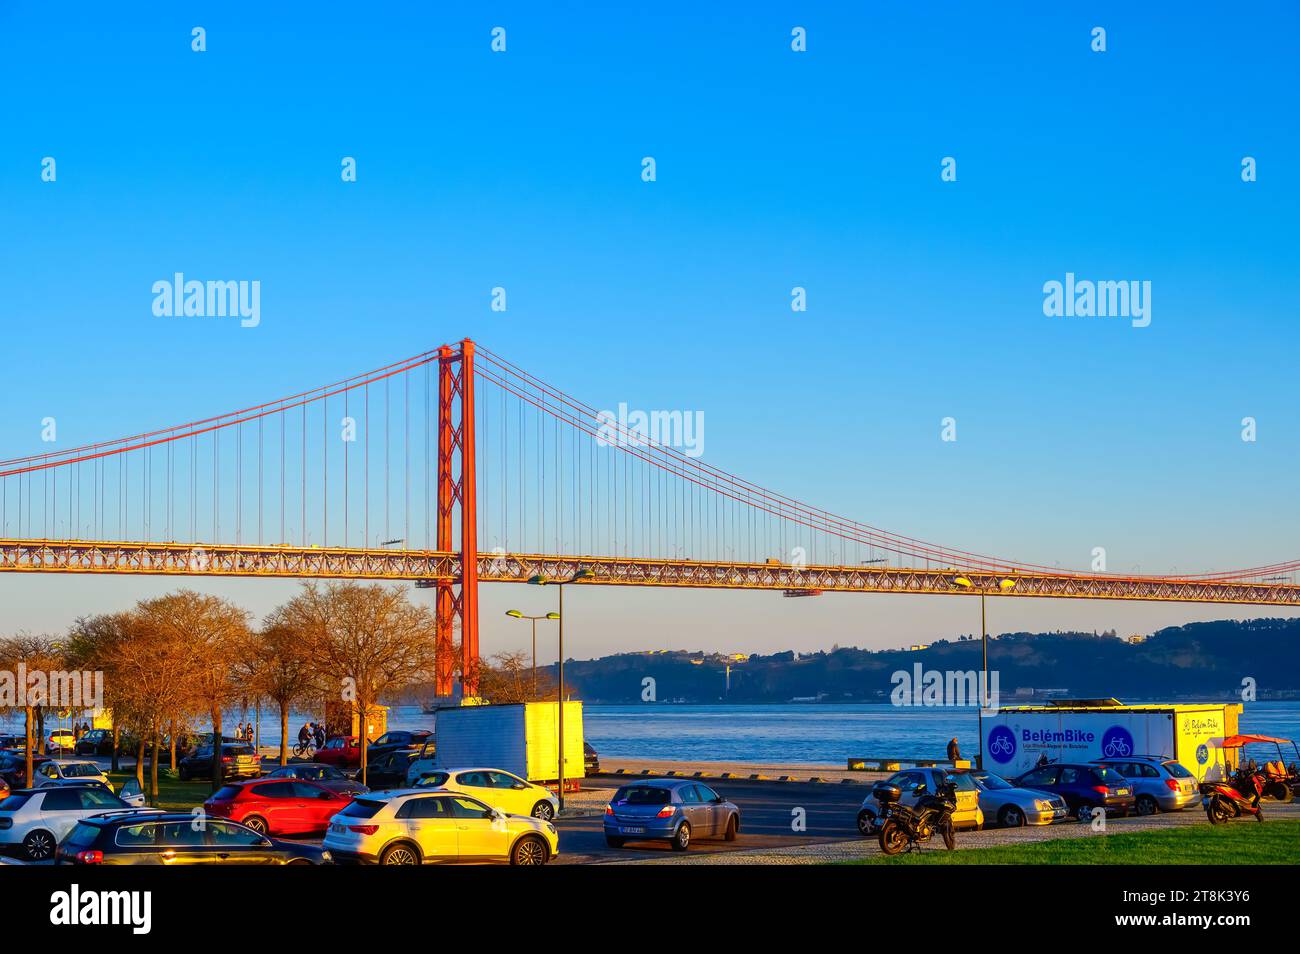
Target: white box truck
point(1017, 737)
point(521, 738)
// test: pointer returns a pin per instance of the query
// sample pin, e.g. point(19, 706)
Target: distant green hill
point(1204, 660)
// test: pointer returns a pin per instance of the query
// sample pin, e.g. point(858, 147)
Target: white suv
point(412, 828)
point(36, 820)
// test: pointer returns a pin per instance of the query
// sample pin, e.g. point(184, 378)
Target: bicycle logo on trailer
point(1116, 742)
point(1002, 744)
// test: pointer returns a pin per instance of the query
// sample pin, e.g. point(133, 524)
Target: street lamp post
point(1003, 587)
point(518, 615)
point(543, 581)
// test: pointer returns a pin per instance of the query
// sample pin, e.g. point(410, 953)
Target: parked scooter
point(904, 829)
point(1232, 798)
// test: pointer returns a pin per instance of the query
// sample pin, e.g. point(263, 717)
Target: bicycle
point(301, 749)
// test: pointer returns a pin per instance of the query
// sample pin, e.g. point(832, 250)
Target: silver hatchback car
point(672, 810)
point(1160, 783)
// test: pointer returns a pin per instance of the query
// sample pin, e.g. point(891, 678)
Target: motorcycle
point(904, 829)
point(1231, 798)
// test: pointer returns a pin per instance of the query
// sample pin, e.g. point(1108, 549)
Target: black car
point(17, 742)
point(238, 760)
point(326, 776)
point(389, 769)
point(13, 767)
point(95, 742)
point(1084, 787)
point(590, 760)
point(171, 838)
point(397, 739)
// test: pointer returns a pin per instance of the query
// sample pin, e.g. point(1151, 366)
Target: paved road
point(768, 812)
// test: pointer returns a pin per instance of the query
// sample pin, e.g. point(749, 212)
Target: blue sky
point(775, 169)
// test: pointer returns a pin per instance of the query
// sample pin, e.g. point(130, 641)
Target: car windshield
point(1177, 770)
point(643, 795)
point(1108, 775)
point(82, 834)
point(962, 781)
point(993, 783)
point(433, 780)
point(237, 749)
point(226, 793)
point(80, 770)
point(362, 808)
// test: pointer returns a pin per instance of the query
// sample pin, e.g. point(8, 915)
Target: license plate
point(631, 831)
point(1058, 813)
point(1121, 791)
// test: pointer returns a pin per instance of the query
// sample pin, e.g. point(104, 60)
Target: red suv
point(279, 806)
point(342, 751)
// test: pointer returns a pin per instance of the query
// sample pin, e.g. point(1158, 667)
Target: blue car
point(671, 810)
point(1084, 787)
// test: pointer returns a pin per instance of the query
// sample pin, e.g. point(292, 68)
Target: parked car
point(1159, 783)
point(282, 806)
point(171, 838)
point(671, 810)
point(397, 739)
point(95, 742)
point(35, 820)
point(17, 742)
point(326, 776)
point(13, 767)
point(342, 751)
point(509, 793)
point(238, 760)
point(1084, 787)
point(69, 772)
point(60, 740)
point(421, 766)
point(412, 828)
point(388, 769)
point(590, 760)
point(912, 784)
point(1007, 806)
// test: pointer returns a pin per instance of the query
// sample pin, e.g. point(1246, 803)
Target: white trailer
point(521, 738)
point(1016, 738)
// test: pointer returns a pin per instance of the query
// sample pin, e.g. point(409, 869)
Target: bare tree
point(369, 638)
point(277, 663)
point(36, 654)
point(509, 677)
point(213, 631)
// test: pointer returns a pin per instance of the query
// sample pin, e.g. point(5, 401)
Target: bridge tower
point(457, 599)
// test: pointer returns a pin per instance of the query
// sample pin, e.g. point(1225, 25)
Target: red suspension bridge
point(378, 477)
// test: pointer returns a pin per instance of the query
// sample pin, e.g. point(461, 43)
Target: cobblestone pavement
point(816, 854)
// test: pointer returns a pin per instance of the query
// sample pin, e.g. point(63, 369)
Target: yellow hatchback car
point(913, 783)
point(510, 793)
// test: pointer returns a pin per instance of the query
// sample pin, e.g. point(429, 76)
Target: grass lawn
point(1238, 842)
point(173, 794)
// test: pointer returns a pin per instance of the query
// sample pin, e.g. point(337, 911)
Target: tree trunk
point(217, 779)
point(139, 762)
point(284, 731)
point(172, 747)
point(153, 767)
point(361, 728)
point(40, 731)
point(28, 748)
point(117, 742)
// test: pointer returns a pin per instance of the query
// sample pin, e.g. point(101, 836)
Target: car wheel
point(256, 823)
point(731, 829)
point(399, 854)
point(613, 842)
point(1083, 813)
point(38, 845)
point(1011, 817)
point(866, 823)
point(682, 838)
point(529, 850)
point(544, 810)
point(1146, 805)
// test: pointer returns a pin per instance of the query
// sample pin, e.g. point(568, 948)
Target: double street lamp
point(543, 581)
point(518, 615)
point(1002, 586)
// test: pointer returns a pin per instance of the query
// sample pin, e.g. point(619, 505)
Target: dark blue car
point(1084, 787)
point(672, 810)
